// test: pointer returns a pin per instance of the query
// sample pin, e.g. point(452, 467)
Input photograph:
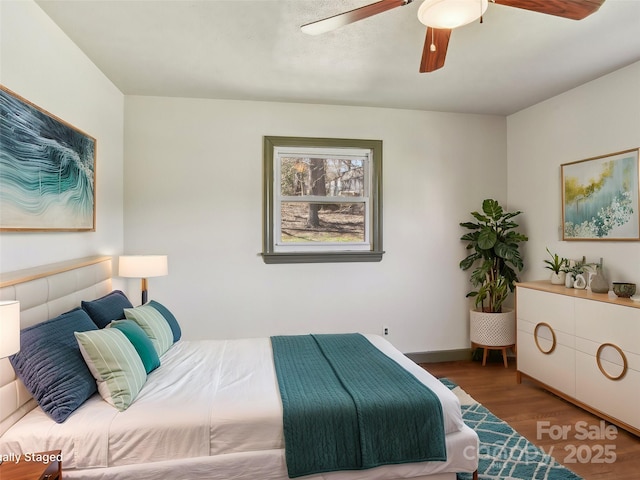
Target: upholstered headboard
point(44, 293)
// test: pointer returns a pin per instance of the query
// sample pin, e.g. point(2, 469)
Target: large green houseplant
point(494, 257)
point(495, 254)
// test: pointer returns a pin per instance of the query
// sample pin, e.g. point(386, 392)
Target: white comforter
point(207, 398)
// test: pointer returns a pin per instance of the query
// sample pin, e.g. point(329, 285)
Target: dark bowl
point(623, 289)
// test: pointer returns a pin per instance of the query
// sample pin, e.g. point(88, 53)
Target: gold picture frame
point(601, 198)
point(47, 170)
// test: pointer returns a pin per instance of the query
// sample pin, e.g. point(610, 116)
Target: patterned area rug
point(504, 453)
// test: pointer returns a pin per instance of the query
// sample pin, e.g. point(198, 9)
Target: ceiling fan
point(441, 16)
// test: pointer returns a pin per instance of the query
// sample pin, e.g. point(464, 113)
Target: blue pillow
point(107, 308)
point(168, 316)
point(140, 341)
point(51, 366)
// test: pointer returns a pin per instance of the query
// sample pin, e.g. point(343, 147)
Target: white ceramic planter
point(558, 278)
point(493, 329)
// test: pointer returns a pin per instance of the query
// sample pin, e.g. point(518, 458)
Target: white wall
point(40, 63)
point(437, 167)
point(179, 154)
point(597, 118)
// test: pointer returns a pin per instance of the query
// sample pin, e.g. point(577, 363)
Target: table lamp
point(9, 328)
point(143, 267)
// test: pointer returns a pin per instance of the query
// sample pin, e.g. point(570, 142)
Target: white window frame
point(276, 251)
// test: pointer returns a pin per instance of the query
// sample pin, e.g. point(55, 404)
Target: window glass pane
point(304, 222)
point(325, 177)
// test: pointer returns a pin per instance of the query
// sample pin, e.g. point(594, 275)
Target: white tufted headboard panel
point(44, 293)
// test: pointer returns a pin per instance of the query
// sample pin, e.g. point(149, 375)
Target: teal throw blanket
point(347, 406)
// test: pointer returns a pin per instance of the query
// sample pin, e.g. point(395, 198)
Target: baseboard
point(440, 356)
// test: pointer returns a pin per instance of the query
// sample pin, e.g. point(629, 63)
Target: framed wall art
point(47, 170)
point(600, 198)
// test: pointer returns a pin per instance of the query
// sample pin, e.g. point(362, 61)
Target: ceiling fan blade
point(437, 38)
point(342, 19)
point(572, 9)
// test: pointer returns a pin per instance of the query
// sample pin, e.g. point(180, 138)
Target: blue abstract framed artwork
point(600, 198)
point(47, 170)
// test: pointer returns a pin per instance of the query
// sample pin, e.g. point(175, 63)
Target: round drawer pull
point(622, 355)
point(553, 338)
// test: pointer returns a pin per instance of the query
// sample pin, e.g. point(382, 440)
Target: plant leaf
point(470, 236)
point(481, 218)
point(506, 250)
point(509, 215)
point(508, 225)
point(487, 238)
point(492, 208)
point(515, 237)
point(470, 225)
point(469, 261)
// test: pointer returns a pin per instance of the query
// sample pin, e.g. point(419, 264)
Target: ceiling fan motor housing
point(451, 13)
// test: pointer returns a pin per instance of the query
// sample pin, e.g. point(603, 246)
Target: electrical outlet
point(385, 331)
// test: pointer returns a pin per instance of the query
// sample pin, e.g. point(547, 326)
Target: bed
point(225, 422)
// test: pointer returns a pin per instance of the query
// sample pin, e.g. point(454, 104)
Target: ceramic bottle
point(598, 282)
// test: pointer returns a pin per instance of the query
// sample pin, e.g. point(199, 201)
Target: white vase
point(558, 278)
point(580, 283)
point(569, 279)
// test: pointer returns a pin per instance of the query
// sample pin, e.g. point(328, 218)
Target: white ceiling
point(254, 50)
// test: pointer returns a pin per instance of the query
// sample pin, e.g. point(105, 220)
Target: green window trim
point(270, 254)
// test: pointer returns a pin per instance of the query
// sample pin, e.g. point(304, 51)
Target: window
point(322, 200)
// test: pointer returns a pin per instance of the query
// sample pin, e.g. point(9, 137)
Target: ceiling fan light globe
point(450, 13)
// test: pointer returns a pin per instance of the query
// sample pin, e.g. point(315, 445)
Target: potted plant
point(495, 257)
point(575, 270)
point(557, 265)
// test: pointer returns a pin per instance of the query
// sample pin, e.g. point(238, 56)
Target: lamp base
point(143, 286)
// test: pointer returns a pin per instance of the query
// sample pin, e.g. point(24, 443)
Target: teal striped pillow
point(154, 325)
point(169, 317)
point(114, 363)
point(140, 342)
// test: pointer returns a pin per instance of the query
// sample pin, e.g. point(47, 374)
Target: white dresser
point(582, 346)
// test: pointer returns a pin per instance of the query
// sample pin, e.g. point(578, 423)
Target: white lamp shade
point(9, 328)
point(143, 266)
point(451, 13)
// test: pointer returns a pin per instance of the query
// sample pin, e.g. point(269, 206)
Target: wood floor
point(529, 409)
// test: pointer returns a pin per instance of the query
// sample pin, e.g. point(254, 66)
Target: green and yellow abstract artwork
point(600, 198)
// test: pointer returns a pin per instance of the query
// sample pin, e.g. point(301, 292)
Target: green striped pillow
point(154, 325)
point(114, 363)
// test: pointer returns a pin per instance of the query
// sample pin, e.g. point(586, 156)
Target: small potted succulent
point(557, 265)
